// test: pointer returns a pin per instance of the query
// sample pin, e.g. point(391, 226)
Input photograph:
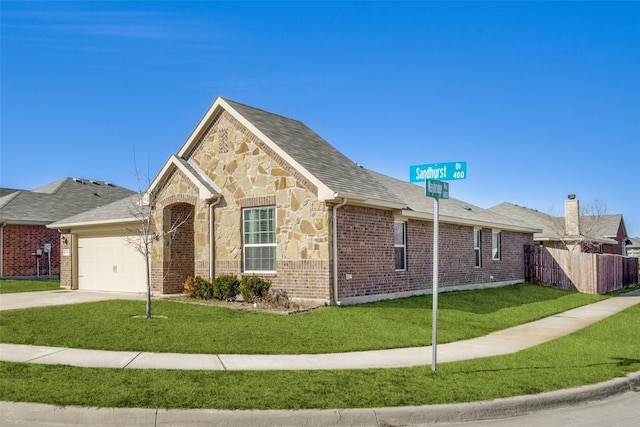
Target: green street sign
point(437, 189)
point(441, 171)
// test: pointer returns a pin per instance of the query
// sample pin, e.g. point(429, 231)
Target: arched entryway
point(178, 246)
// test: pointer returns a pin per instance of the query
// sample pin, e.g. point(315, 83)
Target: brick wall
point(179, 247)
point(19, 243)
point(616, 249)
point(365, 250)
point(304, 279)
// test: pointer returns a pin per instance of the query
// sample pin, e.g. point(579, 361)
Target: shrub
point(203, 289)
point(254, 288)
point(277, 298)
point(226, 287)
point(188, 287)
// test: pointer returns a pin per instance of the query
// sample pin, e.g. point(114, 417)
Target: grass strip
point(9, 286)
point(188, 328)
point(600, 352)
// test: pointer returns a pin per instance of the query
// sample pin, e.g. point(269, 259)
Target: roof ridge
point(231, 101)
point(9, 197)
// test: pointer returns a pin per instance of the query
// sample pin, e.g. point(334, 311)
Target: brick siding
point(19, 243)
point(180, 264)
point(366, 252)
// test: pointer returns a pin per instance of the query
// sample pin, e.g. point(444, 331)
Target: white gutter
point(464, 221)
point(212, 239)
point(335, 249)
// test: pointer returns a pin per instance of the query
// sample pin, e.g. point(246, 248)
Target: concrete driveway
point(20, 300)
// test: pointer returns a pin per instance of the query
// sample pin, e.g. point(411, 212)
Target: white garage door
point(110, 264)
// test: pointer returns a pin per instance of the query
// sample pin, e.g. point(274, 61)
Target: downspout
point(335, 249)
point(212, 239)
point(2, 248)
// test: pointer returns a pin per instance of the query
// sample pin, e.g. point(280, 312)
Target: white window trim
point(403, 245)
point(499, 245)
point(256, 245)
point(477, 259)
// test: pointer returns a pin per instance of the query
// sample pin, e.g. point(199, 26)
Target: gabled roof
point(207, 189)
point(57, 200)
point(608, 225)
point(553, 226)
point(635, 243)
point(6, 191)
point(128, 209)
point(336, 176)
point(451, 210)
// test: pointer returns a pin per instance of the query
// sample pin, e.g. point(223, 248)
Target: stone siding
point(250, 174)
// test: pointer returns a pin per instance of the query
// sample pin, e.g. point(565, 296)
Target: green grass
point(600, 352)
point(8, 286)
point(204, 329)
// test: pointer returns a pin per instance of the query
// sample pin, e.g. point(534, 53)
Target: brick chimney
point(572, 216)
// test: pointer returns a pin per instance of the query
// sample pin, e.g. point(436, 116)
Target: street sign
point(437, 189)
point(432, 175)
point(441, 171)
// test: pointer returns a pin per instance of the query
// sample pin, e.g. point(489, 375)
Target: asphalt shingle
point(58, 200)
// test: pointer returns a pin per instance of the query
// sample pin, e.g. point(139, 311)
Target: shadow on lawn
point(619, 362)
point(478, 301)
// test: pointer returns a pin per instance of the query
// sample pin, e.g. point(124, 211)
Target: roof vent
point(96, 194)
point(108, 184)
point(95, 182)
point(78, 180)
point(467, 207)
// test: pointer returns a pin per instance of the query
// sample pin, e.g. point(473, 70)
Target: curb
point(23, 414)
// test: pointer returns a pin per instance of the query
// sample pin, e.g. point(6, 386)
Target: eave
point(463, 221)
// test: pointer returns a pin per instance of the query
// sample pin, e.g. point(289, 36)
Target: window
point(400, 245)
point(259, 239)
point(495, 245)
point(477, 246)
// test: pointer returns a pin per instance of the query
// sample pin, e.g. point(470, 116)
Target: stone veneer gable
point(250, 174)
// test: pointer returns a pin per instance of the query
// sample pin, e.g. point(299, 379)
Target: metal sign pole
point(434, 325)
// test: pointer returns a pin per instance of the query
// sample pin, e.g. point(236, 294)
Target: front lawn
point(188, 328)
point(600, 352)
point(8, 286)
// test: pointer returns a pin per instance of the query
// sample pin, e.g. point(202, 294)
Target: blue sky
point(540, 99)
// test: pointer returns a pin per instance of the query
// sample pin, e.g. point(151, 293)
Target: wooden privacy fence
point(579, 271)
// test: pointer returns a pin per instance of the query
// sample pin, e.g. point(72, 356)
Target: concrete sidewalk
point(502, 342)
point(459, 414)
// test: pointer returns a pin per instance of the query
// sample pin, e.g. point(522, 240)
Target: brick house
point(259, 193)
point(24, 216)
point(599, 233)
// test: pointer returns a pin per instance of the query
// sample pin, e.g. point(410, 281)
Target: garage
point(110, 263)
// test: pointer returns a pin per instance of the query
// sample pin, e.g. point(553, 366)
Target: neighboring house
point(633, 248)
point(586, 233)
point(27, 247)
point(258, 193)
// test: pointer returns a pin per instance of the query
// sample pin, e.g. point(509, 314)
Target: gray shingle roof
point(6, 191)
point(553, 226)
point(345, 177)
point(635, 242)
point(338, 173)
point(58, 200)
point(315, 154)
point(123, 210)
